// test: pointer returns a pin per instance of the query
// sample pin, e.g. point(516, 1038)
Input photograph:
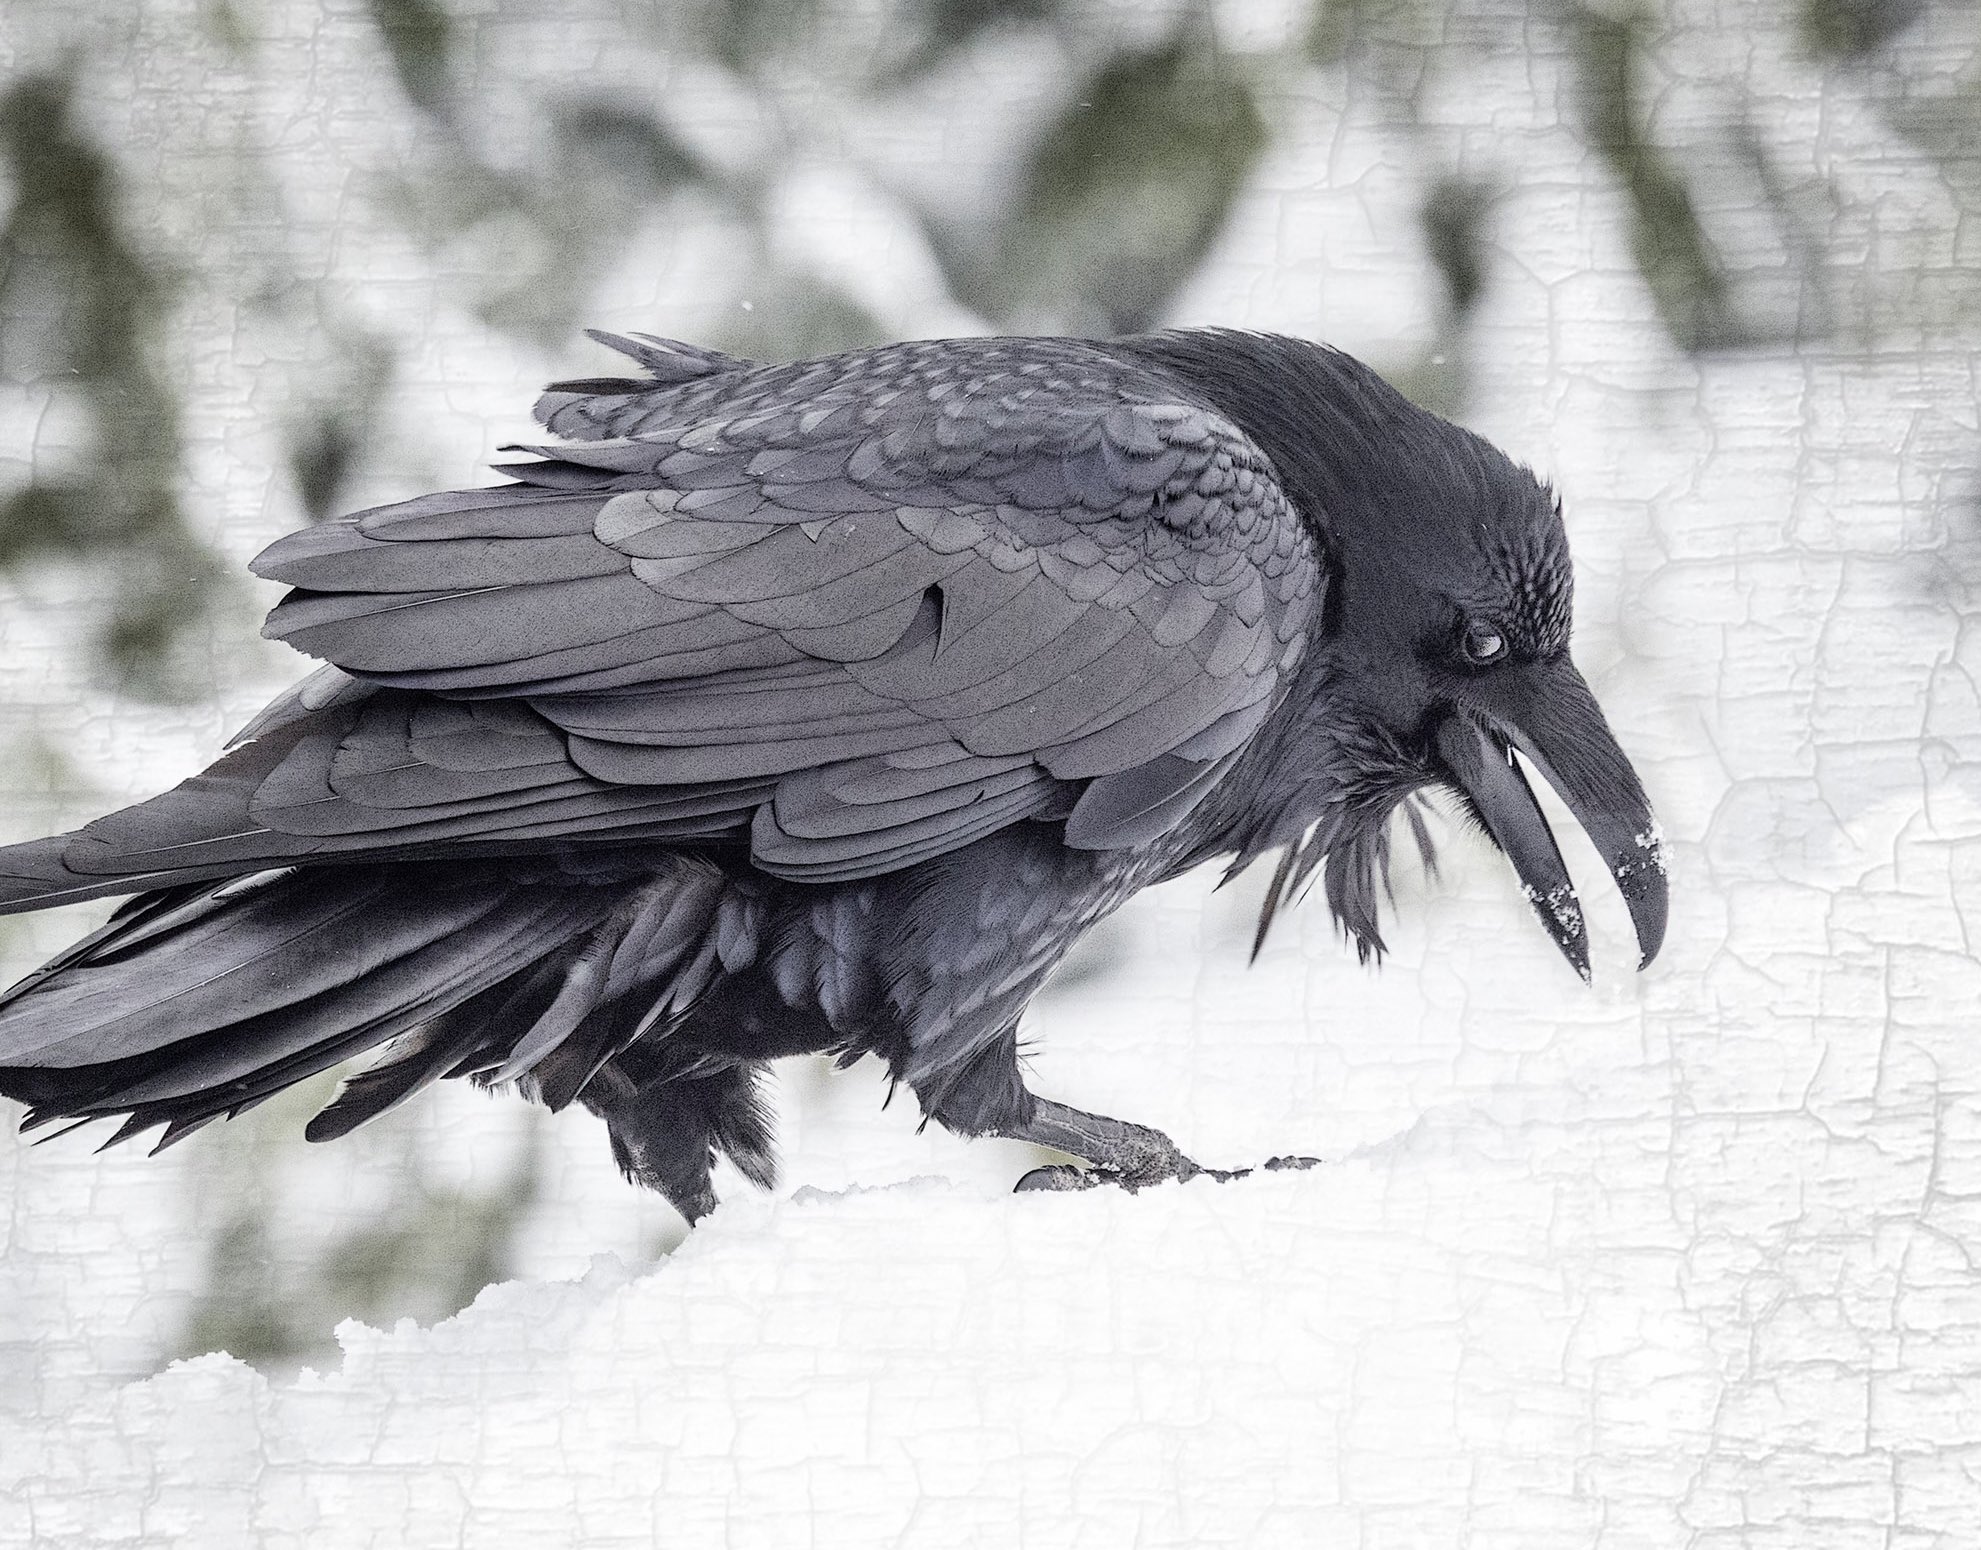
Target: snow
point(1437, 1343)
point(1685, 1259)
point(1739, 1330)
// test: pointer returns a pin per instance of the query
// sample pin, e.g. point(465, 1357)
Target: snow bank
point(1542, 1336)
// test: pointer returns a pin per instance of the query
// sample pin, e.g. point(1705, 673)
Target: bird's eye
point(1482, 642)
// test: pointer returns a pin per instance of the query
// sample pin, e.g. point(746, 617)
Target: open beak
point(1548, 713)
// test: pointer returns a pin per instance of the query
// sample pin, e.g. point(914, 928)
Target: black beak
point(1548, 713)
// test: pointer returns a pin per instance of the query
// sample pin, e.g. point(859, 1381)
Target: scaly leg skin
point(1131, 1156)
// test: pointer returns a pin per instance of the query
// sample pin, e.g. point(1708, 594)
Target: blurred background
point(1713, 265)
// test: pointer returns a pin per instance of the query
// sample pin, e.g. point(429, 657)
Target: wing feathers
point(738, 713)
point(632, 763)
point(863, 853)
point(704, 641)
point(402, 631)
point(1139, 804)
point(501, 511)
point(828, 804)
point(345, 559)
point(732, 581)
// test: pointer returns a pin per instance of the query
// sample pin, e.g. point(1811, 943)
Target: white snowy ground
point(1685, 1260)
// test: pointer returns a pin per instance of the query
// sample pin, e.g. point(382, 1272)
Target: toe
point(1058, 1178)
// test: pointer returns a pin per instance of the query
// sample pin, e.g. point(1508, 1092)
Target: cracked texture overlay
point(1680, 1260)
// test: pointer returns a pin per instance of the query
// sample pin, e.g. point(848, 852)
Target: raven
point(820, 707)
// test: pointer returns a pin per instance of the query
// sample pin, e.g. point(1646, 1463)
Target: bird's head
point(1444, 645)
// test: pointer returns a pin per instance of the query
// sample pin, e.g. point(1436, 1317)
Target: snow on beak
point(1558, 726)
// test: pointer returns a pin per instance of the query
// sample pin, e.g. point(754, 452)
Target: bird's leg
point(1117, 1151)
point(986, 1096)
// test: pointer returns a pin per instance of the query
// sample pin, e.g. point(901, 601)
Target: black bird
point(822, 707)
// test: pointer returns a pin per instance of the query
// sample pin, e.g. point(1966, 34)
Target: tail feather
point(412, 1062)
point(133, 921)
point(234, 958)
point(373, 1009)
point(201, 1001)
point(467, 1040)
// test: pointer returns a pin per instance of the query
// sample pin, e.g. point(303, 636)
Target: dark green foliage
point(221, 20)
point(1939, 112)
point(1453, 218)
point(1453, 214)
point(1850, 29)
point(241, 1315)
point(328, 433)
point(418, 34)
point(938, 28)
point(1123, 195)
point(158, 609)
point(1389, 42)
point(1671, 247)
point(423, 1253)
point(79, 305)
point(322, 456)
point(547, 231)
point(431, 1255)
point(744, 33)
point(1708, 296)
point(791, 316)
point(627, 144)
point(69, 279)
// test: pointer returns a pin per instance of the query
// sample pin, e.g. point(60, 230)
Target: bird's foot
point(1061, 1177)
point(1291, 1164)
point(1132, 1157)
point(1065, 1177)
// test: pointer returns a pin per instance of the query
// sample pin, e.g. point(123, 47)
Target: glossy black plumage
point(822, 706)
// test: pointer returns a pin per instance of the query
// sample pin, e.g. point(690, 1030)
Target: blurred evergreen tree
point(80, 309)
point(1122, 195)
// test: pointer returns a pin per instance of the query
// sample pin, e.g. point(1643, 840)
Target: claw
point(1063, 1177)
point(1130, 1157)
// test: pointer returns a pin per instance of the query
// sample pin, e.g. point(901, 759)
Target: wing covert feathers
point(732, 573)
